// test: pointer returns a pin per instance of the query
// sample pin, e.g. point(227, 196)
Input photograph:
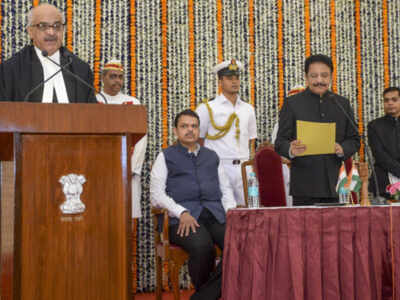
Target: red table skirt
point(335, 253)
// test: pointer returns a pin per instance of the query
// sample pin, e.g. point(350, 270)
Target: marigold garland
point(280, 54)
point(133, 46)
point(220, 33)
point(307, 26)
point(333, 45)
point(164, 64)
point(69, 25)
point(35, 3)
point(97, 45)
point(385, 43)
point(192, 71)
point(252, 50)
point(359, 76)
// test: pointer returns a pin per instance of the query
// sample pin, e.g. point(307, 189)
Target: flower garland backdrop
point(168, 48)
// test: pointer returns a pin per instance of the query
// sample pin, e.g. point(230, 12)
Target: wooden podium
point(50, 254)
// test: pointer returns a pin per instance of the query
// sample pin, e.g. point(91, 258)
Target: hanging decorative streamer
point(164, 64)
point(307, 27)
point(134, 256)
point(69, 25)
point(252, 50)
point(280, 53)
point(1, 29)
point(333, 46)
point(385, 43)
point(133, 46)
point(220, 36)
point(192, 71)
point(97, 45)
point(359, 77)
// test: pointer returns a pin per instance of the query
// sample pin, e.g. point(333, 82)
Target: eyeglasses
point(58, 26)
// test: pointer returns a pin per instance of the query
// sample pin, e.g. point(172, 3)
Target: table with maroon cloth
point(314, 253)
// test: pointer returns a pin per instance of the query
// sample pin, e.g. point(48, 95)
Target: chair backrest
point(268, 167)
point(244, 179)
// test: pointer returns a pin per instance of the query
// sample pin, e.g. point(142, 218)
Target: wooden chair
point(174, 255)
point(245, 180)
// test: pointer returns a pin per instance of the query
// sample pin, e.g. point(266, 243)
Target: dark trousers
point(200, 246)
point(303, 201)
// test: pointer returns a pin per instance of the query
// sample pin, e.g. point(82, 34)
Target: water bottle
point(343, 195)
point(252, 189)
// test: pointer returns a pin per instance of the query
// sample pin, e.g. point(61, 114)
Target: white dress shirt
point(138, 155)
point(158, 181)
point(228, 147)
point(119, 98)
point(57, 83)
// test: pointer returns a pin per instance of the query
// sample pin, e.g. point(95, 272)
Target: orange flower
point(280, 53)
point(69, 24)
point(192, 73)
point(220, 36)
point(307, 26)
point(97, 45)
point(333, 45)
point(359, 77)
point(385, 43)
point(251, 48)
point(35, 3)
point(133, 48)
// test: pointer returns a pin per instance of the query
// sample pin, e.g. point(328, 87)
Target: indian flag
point(351, 181)
point(342, 180)
point(355, 180)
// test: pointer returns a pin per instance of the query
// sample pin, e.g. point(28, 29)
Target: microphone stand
point(44, 81)
point(46, 55)
point(378, 199)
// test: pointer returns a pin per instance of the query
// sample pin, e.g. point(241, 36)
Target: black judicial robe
point(23, 71)
point(385, 147)
point(316, 175)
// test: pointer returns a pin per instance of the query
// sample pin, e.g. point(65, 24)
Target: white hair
point(31, 11)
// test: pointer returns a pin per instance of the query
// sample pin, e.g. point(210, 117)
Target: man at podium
point(45, 71)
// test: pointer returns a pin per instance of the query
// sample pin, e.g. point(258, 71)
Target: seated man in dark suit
point(384, 140)
point(24, 71)
point(188, 180)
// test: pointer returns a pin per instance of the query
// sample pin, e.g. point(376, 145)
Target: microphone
point(68, 55)
point(44, 81)
point(378, 198)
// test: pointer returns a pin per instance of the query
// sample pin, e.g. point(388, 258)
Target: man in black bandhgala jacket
point(20, 74)
point(314, 177)
point(384, 140)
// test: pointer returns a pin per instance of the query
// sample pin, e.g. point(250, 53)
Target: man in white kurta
point(228, 125)
point(113, 78)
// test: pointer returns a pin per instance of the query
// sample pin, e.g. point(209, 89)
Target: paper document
point(318, 137)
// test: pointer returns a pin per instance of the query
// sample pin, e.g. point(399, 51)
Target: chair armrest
point(157, 214)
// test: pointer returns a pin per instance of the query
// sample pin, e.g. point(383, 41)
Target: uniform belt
point(236, 162)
